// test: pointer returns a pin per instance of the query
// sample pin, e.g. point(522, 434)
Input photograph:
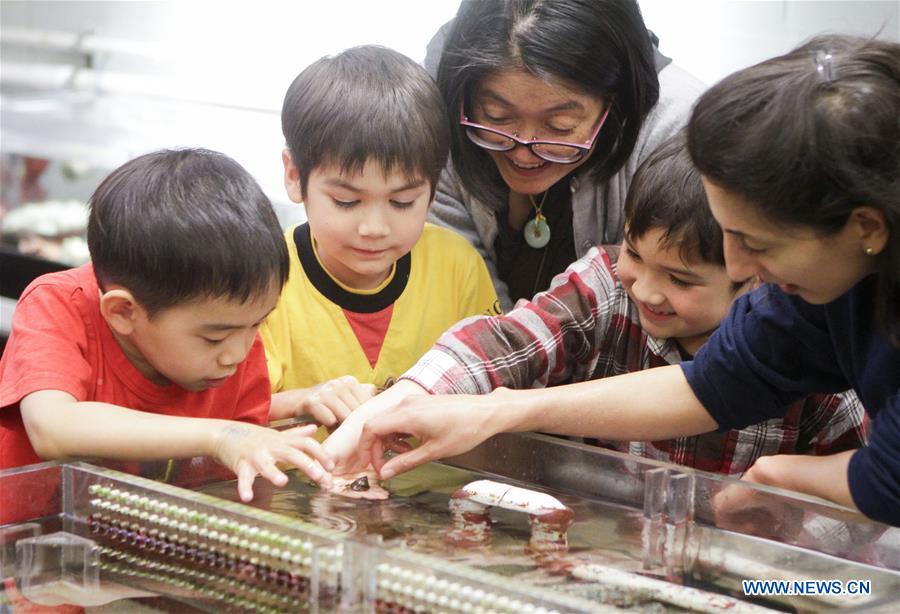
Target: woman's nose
point(738, 263)
point(522, 154)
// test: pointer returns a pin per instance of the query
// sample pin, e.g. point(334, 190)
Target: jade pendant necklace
point(537, 230)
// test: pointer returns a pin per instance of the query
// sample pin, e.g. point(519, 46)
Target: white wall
point(713, 38)
point(219, 80)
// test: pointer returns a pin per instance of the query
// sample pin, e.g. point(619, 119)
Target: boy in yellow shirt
point(371, 286)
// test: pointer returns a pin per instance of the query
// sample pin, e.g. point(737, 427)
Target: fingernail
point(387, 474)
point(329, 465)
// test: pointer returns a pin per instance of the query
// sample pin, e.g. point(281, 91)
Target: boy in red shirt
point(151, 351)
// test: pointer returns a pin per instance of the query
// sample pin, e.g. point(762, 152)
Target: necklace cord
point(538, 207)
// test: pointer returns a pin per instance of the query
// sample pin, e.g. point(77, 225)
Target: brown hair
point(809, 136)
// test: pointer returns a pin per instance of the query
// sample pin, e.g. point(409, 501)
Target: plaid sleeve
point(820, 424)
point(552, 339)
point(833, 423)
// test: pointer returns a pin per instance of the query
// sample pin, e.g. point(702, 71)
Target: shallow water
point(417, 515)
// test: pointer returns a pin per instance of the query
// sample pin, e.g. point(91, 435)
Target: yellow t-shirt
point(309, 340)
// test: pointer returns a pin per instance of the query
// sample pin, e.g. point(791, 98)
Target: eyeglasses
point(560, 152)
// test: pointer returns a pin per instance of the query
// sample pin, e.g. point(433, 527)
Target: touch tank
point(522, 523)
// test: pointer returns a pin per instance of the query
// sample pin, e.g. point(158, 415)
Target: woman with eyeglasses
point(553, 106)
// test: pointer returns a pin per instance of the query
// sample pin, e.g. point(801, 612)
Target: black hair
point(180, 225)
point(367, 102)
point(600, 47)
point(809, 136)
point(666, 193)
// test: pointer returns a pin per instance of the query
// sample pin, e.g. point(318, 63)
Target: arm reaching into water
point(645, 405)
point(805, 474)
point(756, 512)
point(57, 428)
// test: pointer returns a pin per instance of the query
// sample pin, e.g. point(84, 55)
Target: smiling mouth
point(654, 314)
point(527, 167)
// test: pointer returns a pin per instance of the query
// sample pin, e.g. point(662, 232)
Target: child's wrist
point(300, 398)
point(215, 436)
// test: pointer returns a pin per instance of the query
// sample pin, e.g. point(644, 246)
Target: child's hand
point(329, 403)
point(332, 401)
point(250, 450)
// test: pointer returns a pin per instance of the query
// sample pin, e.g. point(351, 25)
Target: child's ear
point(291, 177)
point(120, 310)
point(870, 226)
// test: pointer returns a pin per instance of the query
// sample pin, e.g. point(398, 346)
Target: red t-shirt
point(59, 341)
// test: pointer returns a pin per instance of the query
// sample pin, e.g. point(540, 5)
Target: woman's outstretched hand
point(445, 425)
point(343, 445)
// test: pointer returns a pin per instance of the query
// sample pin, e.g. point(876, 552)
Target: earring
point(869, 251)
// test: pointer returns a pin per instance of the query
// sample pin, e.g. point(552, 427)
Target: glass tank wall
point(639, 536)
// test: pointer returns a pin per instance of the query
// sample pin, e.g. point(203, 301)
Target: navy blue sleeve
point(771, 350)
point(874, 471)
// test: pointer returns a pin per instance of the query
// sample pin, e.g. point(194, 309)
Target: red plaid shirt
point(585, 327)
